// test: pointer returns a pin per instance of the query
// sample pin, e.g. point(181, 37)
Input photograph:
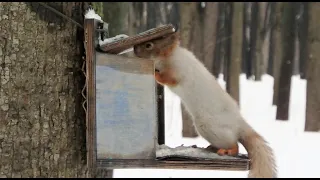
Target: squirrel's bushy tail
point(262, 163)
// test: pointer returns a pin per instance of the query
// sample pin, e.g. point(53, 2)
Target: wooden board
point(90, 45)
point(126, 43)
point(218, 164)
point(166, 163)
point(126, 120)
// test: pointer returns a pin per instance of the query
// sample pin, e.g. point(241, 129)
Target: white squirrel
point(215, 113)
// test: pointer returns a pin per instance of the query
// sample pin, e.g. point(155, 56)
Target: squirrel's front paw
point(164, 79)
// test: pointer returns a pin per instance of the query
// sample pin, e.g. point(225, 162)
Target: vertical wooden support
point(160, 114)
point(89, 25)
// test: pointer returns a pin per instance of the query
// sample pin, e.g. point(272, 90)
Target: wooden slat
point(240, 164)
point(126, 43)
point(89, 25)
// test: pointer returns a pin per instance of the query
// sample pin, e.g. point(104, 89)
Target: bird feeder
point(125, 111)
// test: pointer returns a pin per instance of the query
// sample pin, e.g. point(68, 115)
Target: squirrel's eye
point(149, 46)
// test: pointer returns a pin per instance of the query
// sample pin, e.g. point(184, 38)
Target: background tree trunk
point(277, 53)
point(236, 50)
point(271, 24)
point(303, 38)
point(288, 46)
point(255, 40)
point(186, 24)
point(210, 18)
point(313, 72)
point(227, 40)
point(116, 14)
point(246, 62)
point(42, 125)
point(218, 54)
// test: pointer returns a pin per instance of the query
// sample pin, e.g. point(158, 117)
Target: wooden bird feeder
point(124, 110)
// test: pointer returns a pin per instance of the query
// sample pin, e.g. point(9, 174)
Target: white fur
point(216, 115)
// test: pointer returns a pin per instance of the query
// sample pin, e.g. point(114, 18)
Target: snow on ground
point(287, 138)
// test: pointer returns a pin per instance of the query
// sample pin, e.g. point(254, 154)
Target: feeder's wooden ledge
point(182, 157)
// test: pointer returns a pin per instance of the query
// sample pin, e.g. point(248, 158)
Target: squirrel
point(215, 114)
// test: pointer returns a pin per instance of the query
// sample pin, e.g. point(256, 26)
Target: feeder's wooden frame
point(93, 163)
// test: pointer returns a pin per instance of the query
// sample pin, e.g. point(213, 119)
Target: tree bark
point(187, 13)
point(313, 70)
point(236, 49)
point(42, 125)
point(288, 46)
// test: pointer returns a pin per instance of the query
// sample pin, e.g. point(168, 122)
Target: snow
point(91, 14)
point(112, 39)
point(287, 138)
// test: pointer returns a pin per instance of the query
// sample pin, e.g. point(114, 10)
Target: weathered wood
point(240, 164)
point(126, 122)
point(126, 43)
point(90, 26)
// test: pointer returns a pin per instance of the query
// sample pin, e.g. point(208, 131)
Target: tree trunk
point(313, 72)
point(116, 14)
point(187, 11)
point(277, 53)
point(218, 57)
point(255, 41)
point(245, 41)
point(288, 46)
point(272, 19)
point(153, 14)
point(227, 45)
point(42, 125)
point(236, 49)
point(263, 40)
point(210, 18)
point(303, 40)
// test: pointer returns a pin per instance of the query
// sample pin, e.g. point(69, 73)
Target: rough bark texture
point(277, 53)
point(288, 46)
point(42, 125)
point(187, 16)
point(313, 72)
point(236, 49)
